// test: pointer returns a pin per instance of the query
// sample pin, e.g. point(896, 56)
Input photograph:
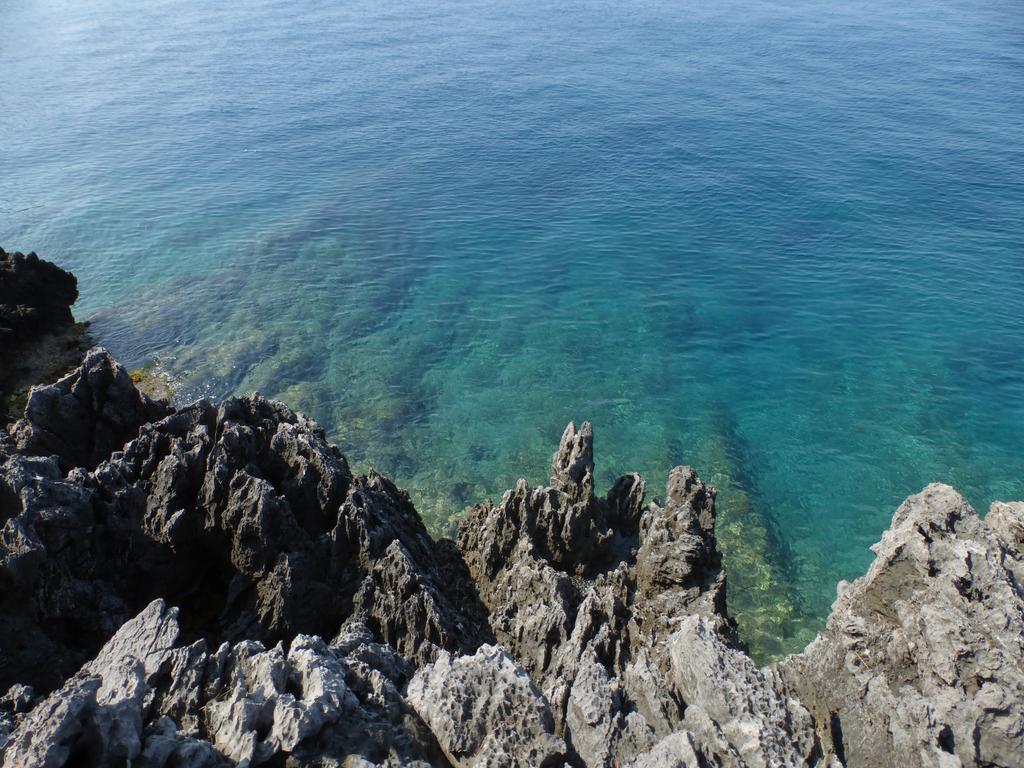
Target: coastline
point(212, 584)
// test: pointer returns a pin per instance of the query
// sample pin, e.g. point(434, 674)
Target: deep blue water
point(780, 241)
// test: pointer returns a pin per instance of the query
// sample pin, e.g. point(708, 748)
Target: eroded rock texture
point(922, 661)
point(241, 514)
point(486, 734)
point(212, 586)
point(588, 594)
point(35, 296)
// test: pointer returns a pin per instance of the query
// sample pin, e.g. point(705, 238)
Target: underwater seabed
point(403, 369)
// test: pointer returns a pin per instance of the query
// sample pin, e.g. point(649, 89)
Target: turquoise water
point(780, 241)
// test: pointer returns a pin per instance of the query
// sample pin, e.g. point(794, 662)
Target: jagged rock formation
point(922, 661)
point(151, 700)
point(212, 586)
point(240, 513)
point(86, 416)
point(38, 336)
point(587, 593)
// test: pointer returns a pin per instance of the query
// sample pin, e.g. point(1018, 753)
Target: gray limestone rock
point(730, 700)
point(585, 592)
point(922, 660)
point(677, 750)
point(148, 701)
point(486, 712)
point(97, 715)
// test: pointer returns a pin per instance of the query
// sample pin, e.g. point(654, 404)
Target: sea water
point(782, 242)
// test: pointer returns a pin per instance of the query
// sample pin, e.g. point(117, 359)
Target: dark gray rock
point(240, 514)
point(39, 339)
point(35, 297)
point(87, 415)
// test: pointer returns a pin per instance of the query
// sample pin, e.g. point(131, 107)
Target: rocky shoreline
point(211, 585)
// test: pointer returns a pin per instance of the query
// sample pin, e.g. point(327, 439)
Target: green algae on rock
point(153, 382)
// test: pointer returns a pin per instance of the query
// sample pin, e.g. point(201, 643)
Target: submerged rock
point(212, 586)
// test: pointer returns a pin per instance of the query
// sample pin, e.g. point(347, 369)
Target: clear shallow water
point(782, 242)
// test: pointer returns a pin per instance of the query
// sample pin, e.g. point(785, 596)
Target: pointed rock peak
point(87, 415)
point(149, 637)
point(685, 490)
point(684, 487)
point(572, 467)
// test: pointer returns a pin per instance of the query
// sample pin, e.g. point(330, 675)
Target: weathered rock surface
point(486, 736)
point(39, 338)
point(922, 661)
point(35, 296)
point(240, 514)
point(212, 586)
point(152, 702)
point(587, 592)
point(745, 712)
point(85, 416)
